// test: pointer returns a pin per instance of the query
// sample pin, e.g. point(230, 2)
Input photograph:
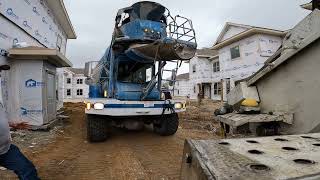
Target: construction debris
point(33, 139)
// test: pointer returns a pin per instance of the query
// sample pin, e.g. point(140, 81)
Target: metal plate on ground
point(276, 157)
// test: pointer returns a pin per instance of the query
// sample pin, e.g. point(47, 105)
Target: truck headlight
point(88, 106)
point(178, 105)
point(98, 106)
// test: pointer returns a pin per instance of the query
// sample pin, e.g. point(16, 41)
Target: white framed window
point(68, 92)
point(194, 89)
point(68, 80)
point(79, 92)
point(217, 88)
point(235, 52)
point(216, 66)
point(79, 81)
point(178, 92)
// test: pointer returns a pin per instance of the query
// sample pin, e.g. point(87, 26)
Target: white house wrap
point(30, 85)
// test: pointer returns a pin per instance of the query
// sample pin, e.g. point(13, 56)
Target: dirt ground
point(64, 153)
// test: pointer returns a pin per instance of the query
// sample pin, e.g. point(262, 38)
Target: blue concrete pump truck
point(127, 87)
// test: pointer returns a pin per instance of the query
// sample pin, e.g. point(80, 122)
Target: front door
point(207, 91)
point(51, 96)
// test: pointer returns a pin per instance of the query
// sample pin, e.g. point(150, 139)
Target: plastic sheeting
point(29, 21)
point(25, 93)
point(34, 17)
point(254, 52)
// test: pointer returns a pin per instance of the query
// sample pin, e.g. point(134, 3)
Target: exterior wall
point(64, 86)
point(232, 31)
point(76, 86)
point(182, 88)
point(216, 78)
point(9, 33)
point(28, 95)
point(204, 74)
point(31, 22)
point(254, 51)
point(22, 99)
point(294, 86)
point(67, 74)
point(35, 19)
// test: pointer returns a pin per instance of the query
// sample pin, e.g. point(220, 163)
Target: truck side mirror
point(89, 68)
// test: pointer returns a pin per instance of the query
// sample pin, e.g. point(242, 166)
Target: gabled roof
point(250, 30)
point(60, 12)
point(76, 70)
point(184, 76)
point(302, 40)
point(226, 28)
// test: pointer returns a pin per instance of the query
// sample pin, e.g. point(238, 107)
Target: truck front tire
point(168, 125)
point(97, 129)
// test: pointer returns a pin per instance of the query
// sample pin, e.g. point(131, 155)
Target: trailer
point(126, 85)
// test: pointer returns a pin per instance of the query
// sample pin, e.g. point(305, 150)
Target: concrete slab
point(276, 157)
point(235, 119)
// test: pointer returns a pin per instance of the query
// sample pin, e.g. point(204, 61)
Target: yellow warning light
point(88, 106)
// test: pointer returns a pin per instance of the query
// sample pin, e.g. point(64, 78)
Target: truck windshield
point(132, 74)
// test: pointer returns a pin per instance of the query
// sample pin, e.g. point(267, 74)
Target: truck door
point(207, 91)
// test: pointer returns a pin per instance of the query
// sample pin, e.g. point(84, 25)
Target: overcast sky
point(94, 20)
